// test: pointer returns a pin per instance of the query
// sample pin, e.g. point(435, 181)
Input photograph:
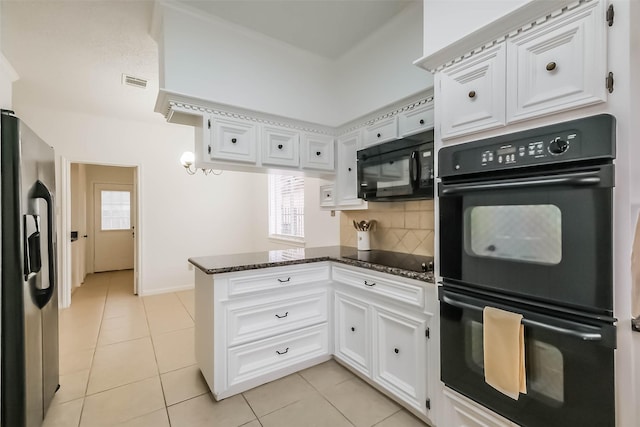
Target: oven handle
point(589, 178)
point(585, 336)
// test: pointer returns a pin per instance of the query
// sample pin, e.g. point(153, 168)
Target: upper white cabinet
point(347, 171)
point(559, 66)
point(233, 140)
point(471, 94)
point(556, 64)
point(381, 131)
point(317, 152)
point(415, 120)
point(280, 146)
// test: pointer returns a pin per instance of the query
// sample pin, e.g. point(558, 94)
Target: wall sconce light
point(187, 159)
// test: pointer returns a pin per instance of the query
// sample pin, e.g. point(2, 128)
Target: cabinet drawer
point(233, 140)
point(382, 131)
point(472, 93)
point(257, 318)
point(277, 278)
point(280, 146)
point(317, 152)
point(249, 361)
point(387, 287)
point(559, 65)
point(416, 120)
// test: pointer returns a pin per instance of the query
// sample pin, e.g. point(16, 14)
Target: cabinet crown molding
point(521, 20)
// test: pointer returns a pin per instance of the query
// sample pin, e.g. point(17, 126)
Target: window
point(286, 207)
point(116, 210)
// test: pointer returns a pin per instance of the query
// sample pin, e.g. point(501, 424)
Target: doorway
point(99, 223)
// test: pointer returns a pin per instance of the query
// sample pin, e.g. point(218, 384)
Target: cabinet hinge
point(209, 149)
point(427, 333)
point(428, 404)
point(609, 82)
point(209, 123)
point(610, 15)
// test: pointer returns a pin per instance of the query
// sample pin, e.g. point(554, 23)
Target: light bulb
point(187, 159)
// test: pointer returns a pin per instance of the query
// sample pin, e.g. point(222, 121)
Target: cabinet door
point(472, 93)
point(416, 120)
point(347, 173)
point(462, 412)
point(280, 146)
point(559, 65)
point(382, 131)
point(233, 140)
point(327, 199)
point(400, 363)
point(352, 334)
point(317, 152)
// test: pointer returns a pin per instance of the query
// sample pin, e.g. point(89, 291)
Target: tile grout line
point(325, 397)
point(251, 407)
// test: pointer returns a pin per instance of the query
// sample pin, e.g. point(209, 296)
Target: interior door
point(113, 227)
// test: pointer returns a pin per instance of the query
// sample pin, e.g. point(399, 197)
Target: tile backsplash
point(401, 226)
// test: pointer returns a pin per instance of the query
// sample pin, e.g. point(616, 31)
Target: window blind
point(286, 207)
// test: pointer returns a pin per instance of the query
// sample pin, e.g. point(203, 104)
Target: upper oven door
point(547, 237)
point(403, 173)
point(569, 364)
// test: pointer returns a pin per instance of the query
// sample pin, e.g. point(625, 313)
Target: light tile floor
point(129, 361)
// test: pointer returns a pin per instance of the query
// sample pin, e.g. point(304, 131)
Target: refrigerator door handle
point(40, 191)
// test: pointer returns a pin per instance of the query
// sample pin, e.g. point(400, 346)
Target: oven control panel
point(529, 151)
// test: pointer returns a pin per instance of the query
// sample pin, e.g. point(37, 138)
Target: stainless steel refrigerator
point(29, 296)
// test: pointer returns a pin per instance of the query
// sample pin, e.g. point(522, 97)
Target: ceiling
point(71, 54)
point(326, 27)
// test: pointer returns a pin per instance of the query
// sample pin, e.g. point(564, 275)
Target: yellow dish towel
point(503, 345)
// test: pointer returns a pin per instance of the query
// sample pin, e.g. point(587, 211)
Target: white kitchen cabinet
point(558, 65)
point(327, 199)
point(400, 359)
point(233, 140)
point(415, 120)
point(347, 171)
point(280, 146)
point(471, 94)
point(382, 331)
point(317, 152)
point(255, 326)
point(381, 131)
point(353, 332)
point(458, 411)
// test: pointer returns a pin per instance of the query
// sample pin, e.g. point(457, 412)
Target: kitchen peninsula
point(261, 316)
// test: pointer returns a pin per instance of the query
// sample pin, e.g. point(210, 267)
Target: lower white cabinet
point(458, 411)
point(353, 332)
point(278, 324)
point(387, 341)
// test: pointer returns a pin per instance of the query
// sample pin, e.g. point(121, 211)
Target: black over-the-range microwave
point(397, 170)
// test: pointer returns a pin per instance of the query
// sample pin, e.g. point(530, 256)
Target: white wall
point(379, 70)
point(450, 20)
point(217, 60)
point(78, 182)
point(212, 59)
point(7, 76)
point(182, 216)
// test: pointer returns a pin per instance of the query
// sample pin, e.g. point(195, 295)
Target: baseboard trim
point(148, 292)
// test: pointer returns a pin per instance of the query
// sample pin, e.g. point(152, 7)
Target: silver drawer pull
point(369, 284)
point(283, 316)
point(284, 281)
point(284, 352)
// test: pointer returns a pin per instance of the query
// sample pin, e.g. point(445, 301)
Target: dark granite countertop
point(400, 264)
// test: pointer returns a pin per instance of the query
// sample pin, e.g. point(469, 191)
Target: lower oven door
point(569, 365)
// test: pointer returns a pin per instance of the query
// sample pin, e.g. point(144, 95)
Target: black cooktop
point(404, 261)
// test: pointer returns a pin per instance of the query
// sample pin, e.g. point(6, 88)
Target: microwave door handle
point(575, 179)
point(585, 336)
point(414, 170)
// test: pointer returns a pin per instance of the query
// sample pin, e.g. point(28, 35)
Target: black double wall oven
point(526, 226)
